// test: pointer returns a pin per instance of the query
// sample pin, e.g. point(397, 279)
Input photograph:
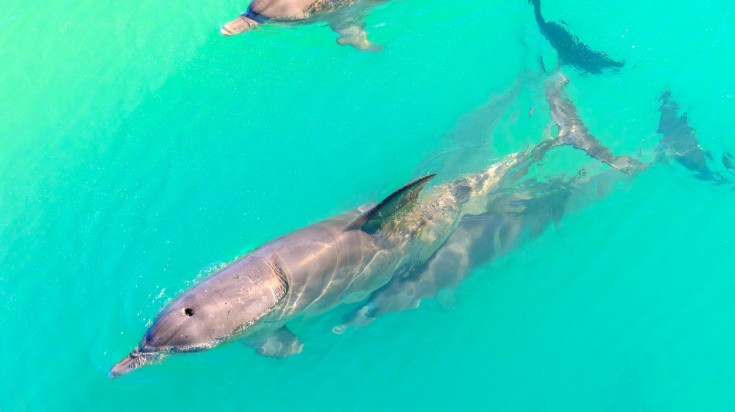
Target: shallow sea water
point(139, 149)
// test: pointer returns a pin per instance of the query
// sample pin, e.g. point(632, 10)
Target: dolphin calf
point(570, 49)
point(343, 16)
point(339, 260)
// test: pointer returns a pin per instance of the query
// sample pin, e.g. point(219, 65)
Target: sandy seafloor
point(138, 148)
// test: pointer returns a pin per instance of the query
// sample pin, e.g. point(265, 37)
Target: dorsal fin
point(373, 219)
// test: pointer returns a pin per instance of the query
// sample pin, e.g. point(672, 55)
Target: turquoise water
point(139, 149)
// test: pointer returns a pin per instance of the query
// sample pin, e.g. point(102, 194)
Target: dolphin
point(343, 16)
point(478, 239)
point(680, 143)
point(522, 212)
point(515, 214)
point(339, 260)
point(570, 49)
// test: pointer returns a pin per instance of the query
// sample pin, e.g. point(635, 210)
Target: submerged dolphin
point(570, 49)
point(518, 214)
point(515, 214)
point(680, 143)
point(343, 16)
point(522, 212)
point(340, 260)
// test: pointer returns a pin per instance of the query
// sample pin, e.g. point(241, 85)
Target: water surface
point(138, 148)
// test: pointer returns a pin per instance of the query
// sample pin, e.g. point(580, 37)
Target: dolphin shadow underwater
point(570, 49)
point(411, 245)
point(343, 16)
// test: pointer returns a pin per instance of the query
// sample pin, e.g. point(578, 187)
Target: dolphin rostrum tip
point(133, 361)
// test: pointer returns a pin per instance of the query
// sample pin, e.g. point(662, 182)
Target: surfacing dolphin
point(343, 16)
point(339, 260)
point(570, 49)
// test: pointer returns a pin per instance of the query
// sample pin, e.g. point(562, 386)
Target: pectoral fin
point(373, 219)
point(351, 32)
point(279, 344)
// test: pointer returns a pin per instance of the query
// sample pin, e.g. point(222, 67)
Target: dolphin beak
point(135, 360)
point(237, 26)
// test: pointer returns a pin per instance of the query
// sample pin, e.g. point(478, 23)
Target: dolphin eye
point(189, 312)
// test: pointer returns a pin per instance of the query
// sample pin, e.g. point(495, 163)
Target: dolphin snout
point(237, 26)
point(135, 360)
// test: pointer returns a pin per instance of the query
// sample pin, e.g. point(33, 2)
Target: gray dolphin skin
point(346, 258)
point(519, 213)
point(514, 214)
point(343, 16)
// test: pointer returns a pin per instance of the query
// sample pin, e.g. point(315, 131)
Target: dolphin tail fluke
point(573, 132)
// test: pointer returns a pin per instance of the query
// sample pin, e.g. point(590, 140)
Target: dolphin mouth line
point(142, 356)
point(133, 361)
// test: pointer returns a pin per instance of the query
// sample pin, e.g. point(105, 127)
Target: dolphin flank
point(342, 259)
